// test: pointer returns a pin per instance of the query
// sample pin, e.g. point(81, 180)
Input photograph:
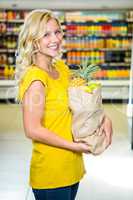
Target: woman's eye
point(58, 32)
point(46, 35)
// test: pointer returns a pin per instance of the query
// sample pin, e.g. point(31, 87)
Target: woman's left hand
point(106, 128)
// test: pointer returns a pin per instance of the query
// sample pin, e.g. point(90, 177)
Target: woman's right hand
point(81, 147)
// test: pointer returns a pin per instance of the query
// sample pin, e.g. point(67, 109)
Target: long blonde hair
point(31, 31)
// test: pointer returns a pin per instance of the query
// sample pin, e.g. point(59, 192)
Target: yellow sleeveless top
point(53, 167)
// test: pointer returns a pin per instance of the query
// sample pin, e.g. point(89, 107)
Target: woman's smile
point(50, 43)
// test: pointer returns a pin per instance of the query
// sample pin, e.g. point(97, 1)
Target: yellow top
point(53, 167)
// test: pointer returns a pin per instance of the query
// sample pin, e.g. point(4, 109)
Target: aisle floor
point(109, 176)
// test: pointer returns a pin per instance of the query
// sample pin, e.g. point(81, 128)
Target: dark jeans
point(62, 193)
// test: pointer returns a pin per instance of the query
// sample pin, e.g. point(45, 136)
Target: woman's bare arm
point(33, 110)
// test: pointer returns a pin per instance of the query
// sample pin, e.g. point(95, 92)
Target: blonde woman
point(56, 164)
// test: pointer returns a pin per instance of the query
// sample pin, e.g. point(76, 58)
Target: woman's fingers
point(108, 129)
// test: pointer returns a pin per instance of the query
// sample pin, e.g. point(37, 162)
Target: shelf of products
point(8, 89)
point(10, 22)
point(102, 37)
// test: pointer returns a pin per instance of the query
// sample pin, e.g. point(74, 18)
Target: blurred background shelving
point(102, 37)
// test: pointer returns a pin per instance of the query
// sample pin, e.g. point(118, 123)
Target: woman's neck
point(43, 62)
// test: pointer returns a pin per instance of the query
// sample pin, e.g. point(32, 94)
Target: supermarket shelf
point(98, 49)
point(6, 83)
point(103, 82)
point(115, 93)
point(104, 35)
point(115, 89)
point(71, 22)
point(95, 21)
point(111, 89)
point(7, 50)
point(3, 65)
point(115, 64)
point(8, 89)
point(9, 33)
point(16, 21)
point(75, 49)
point(12, 21)
point(114, 82)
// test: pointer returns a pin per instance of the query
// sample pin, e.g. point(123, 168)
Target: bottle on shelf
point(6, 72)
point(102, 38)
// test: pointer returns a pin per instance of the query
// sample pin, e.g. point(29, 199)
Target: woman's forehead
point(52, 24)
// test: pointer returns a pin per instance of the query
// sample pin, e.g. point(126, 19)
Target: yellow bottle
point(11, 72)
point(6, 71)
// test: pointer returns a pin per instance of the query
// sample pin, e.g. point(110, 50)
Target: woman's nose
point(54, 37)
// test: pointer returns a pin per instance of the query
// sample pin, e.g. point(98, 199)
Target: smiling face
point(50, 43)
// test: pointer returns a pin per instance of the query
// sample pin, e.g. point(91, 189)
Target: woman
point(57, 164)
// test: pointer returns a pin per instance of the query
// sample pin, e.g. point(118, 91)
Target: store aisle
point(14, 154)
point(109, 176)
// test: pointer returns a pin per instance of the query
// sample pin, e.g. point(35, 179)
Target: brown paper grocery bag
point(88, 114)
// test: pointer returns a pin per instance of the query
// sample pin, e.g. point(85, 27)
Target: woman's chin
point(54, 54)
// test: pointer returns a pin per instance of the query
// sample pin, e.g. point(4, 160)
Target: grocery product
point(85, 102)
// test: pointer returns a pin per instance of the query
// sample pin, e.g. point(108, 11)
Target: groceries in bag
point(85, 102)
